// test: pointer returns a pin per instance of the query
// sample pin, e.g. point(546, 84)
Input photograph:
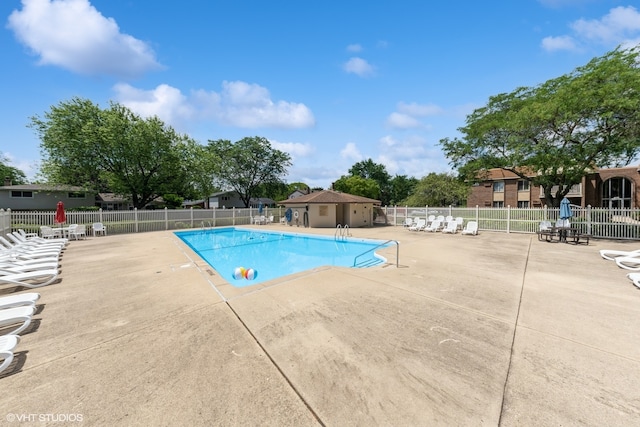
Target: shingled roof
point(328, 196)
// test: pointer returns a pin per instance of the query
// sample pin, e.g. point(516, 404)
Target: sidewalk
point(494, 329)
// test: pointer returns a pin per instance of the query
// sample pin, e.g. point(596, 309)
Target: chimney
point(7, 181)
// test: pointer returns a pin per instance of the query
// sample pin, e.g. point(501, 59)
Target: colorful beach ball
point(250, 274)
point(239, 273)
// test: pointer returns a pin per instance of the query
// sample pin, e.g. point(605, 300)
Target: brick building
point(609, 188)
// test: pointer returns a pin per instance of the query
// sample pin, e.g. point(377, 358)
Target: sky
point(331, 83)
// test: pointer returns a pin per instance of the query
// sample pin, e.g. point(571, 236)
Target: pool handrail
point(381, 245)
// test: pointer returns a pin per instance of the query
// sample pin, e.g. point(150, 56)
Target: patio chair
point(7, 344)
point(18, 300)
point(635, 279)
point(419, 225)
point(612, 254)
point(628, 262)
point(19, 239)
point(29, 249)
point(460, 222)
point(408, 222)
point(451, 227)
point(16, 316)
point(30, 279)
point(8, 267)
point(78, 232)
point(33, 237)
point(436, 225)
point(99, 228)
point(470, 228)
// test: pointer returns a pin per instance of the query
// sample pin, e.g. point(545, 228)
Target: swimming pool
point(274, 254)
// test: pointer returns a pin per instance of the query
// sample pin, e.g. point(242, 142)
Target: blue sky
point(331, 83)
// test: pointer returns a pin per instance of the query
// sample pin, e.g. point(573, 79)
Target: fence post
point(588, 219)
point(100, 213)
point(508, 219)
point(191, 214)
point(213, 217)
point(478, 215)
point(166, 219)
point(135, 218)
point(233, 215)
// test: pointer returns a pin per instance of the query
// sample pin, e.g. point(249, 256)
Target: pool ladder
point(366, 263)
point(342, 232)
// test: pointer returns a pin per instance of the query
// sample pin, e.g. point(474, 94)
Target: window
point(499, 204)
point(498, 187)
point(76, 195)
point(17, 194)
point(523, 185)
point(523, 204)
point(616, 193)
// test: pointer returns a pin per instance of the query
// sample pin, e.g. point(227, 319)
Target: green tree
point(359, 186)
point(113, 149)
point(15, 175)
point(247, 164)
point(439, 190)
point(401, 187)
point(377, 172)
point(558, 132)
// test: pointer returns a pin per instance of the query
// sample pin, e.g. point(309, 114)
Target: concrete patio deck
point(494, 329)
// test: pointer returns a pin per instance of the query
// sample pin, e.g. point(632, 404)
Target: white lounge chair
point(29, 249)
point(30, 279)
point(16, 316)
point(19, 239)
point(418, 225)
point(460, 222)
point(7, 344)
point(451, 227)
point(436, 225)
point(612, 254)
point(635, 279)
point(628, 262)
point(470, 228)
point(18, 300)
point(408, 222)
point(33, 237)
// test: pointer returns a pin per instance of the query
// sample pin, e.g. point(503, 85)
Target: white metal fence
point(598, 222)
point(138, 221)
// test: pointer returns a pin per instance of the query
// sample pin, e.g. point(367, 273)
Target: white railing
point(598, 222)
point(138, 221)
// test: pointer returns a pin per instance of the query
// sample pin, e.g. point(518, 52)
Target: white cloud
point(358, 66)
point(238, 104)
point(419, 110)
point(621, 26)
point(402, 121)
point(614, 28)
point(72, 34)
point(408, 114)
point(351, 152)
point(552, 44)
point(295, 149)
point(411, 156)
point(354, 48)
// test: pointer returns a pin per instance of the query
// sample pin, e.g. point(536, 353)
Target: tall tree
point(246, 164)
point(377, 172)
point(401, 187)
point(359, 186)
point(439, 190)
point(13, 174)
point(112, 149)
point(558, 132)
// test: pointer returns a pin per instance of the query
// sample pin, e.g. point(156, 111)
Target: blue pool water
point(274, 254)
